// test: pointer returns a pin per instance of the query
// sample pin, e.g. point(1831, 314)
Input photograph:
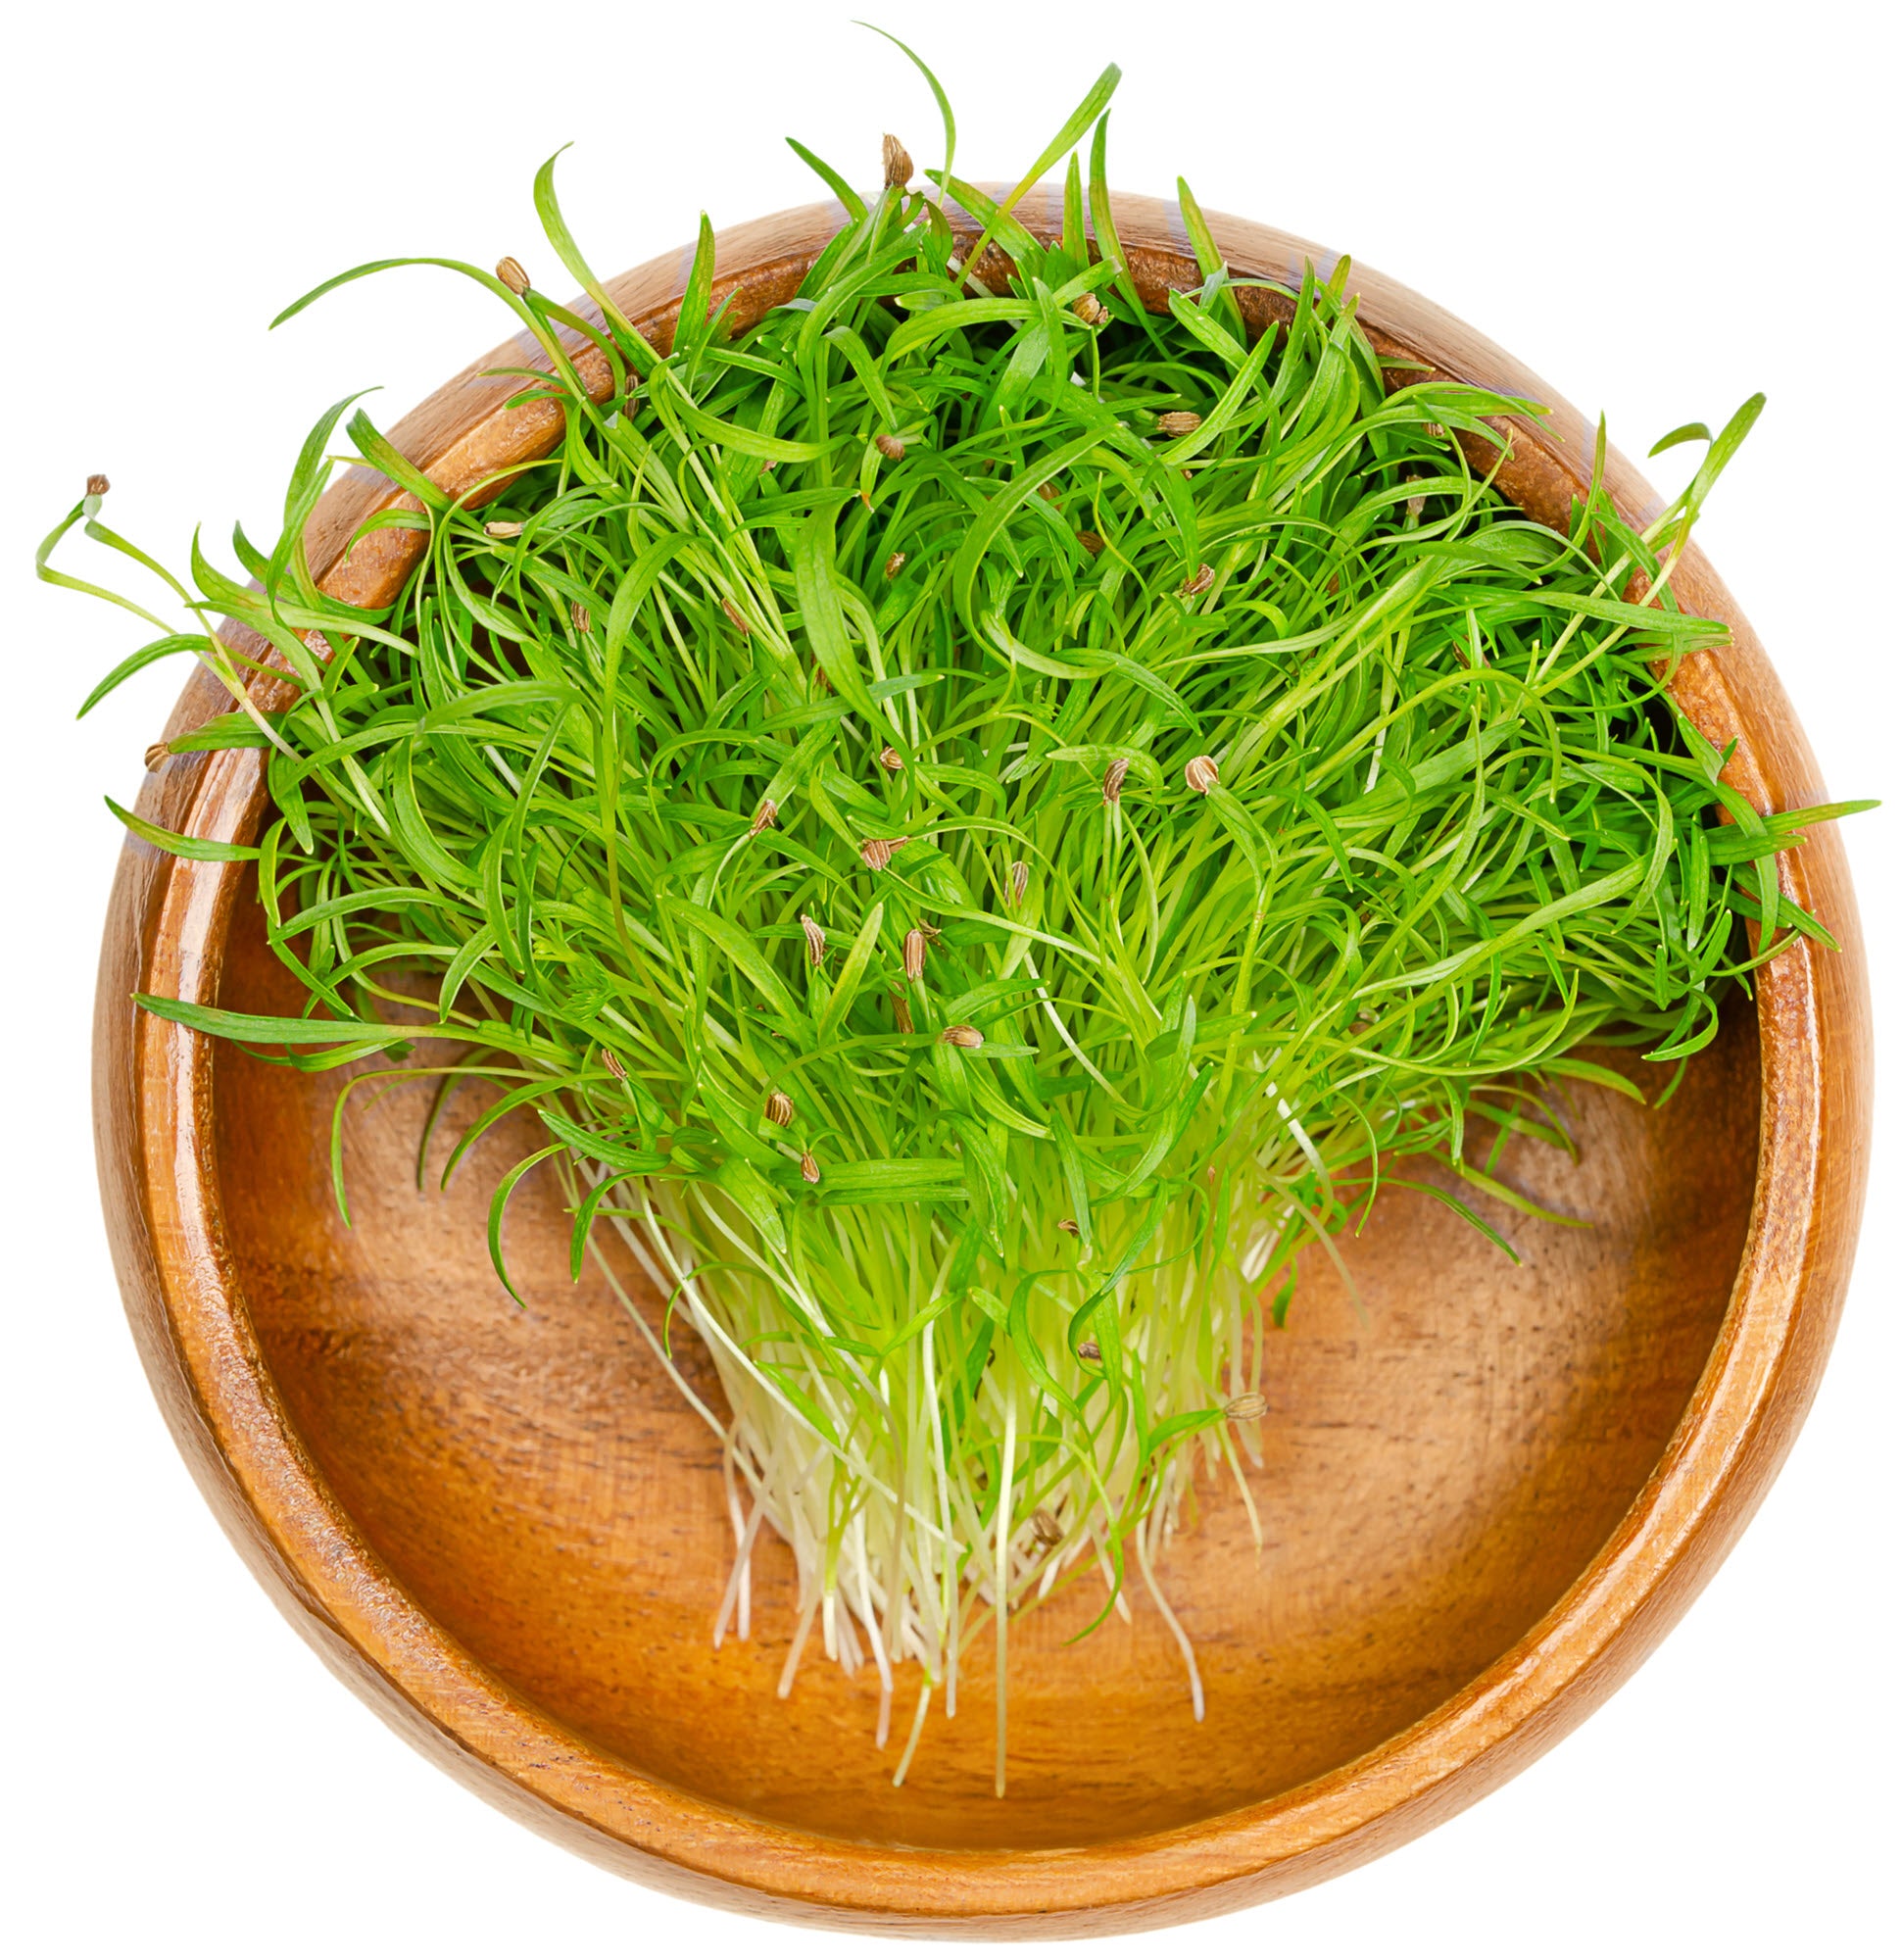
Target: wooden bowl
point(1484, 1503)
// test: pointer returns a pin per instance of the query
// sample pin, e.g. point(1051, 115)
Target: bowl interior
point(1439, 1464)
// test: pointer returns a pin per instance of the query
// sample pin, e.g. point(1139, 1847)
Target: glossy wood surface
point(1484, 1502)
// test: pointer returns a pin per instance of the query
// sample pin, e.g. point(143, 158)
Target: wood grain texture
point(1484, 1501)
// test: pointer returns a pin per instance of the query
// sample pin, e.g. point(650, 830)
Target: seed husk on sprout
point(778, 1108)
point(960, 1035)
point(513, 275)
point(814, 938)
point(1201, 775)
point(156, 753)
point(1177, 422)
point(890, 759)
point(899, 168)
point(890, 447)
point(1113, 777)
point(764, 817)
point(809, 1167)
point(894, 565)
point(503, 527)
point(914, 954)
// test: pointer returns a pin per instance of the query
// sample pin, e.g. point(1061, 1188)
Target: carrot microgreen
point(981, 821)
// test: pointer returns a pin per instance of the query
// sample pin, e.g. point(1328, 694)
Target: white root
point(896, 1544)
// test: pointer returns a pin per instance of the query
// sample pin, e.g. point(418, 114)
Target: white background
point(1659, 208)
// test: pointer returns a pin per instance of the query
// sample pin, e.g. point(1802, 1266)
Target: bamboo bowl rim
point(166, 934)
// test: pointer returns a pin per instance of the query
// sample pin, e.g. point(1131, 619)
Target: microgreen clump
point(985, 823)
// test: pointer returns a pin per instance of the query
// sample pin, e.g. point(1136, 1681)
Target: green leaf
point(815, 575)
point(153, 650)
point(893, 1180)
point(845, 989)
point(200, 849)
point(937, 91)
point(270, 1030)
point(1689, 433)
point(497, 1208)
point(854, 204)
point(756, 1198)
point(744, 954)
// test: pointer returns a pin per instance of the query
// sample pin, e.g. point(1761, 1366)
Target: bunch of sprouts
point(986, 823)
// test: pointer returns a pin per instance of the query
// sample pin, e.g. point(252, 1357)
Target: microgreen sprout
point(984, 823)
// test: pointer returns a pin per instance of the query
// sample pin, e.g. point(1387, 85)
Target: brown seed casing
point(767, 812)
point(581, 616)
point(1088, 1351)
point(1199, 583)
point(1090, 310)
point(156, 754)
point(890, 759)
point(503, 527)
point(1047, 492)
point(1070, 1226)
point(613, 1065)
point(1047, 1532)
point(778, 1108)
point(890, 447)
point(1113, 777)
point(814, 936)
point(1090, 541)
point(960, 1035)
point(913, 955)
point(1019, 881)
point(899, 168)
point(1250, 1407)
point(902, 1012)
point(878, 852)
point(97, 486)
point(809, 1167)
point(1177, 422)
point(1202, 774)
point(738, 617)
point(513, 275)
point(894, 565)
